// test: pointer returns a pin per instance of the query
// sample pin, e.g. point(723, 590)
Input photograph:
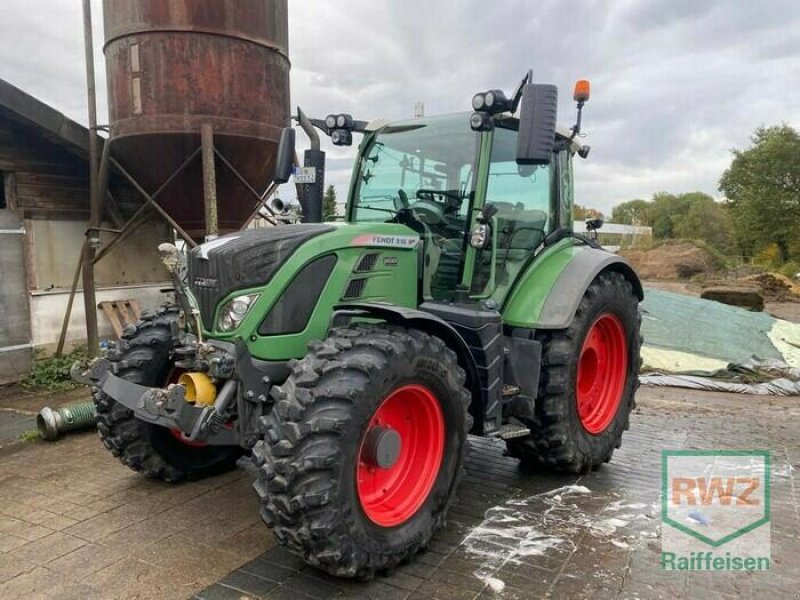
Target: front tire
point(364, 448)
point(589, 378)
point(144, 356)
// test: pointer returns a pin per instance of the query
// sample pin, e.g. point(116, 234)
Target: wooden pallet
point(121, 313)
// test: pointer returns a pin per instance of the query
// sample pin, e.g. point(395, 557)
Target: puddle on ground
point(549, 522)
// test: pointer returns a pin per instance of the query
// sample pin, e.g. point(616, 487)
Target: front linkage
point(190, 406)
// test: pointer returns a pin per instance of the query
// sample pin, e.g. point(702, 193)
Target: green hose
point(73, 417)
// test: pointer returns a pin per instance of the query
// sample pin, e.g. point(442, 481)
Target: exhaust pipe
point(73, 417)
point(277, 206)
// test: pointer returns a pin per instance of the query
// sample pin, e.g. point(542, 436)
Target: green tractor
point(346, 363)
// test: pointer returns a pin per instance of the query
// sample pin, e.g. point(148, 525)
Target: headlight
point(479, 238)
point(234, 312)
point(479, 102)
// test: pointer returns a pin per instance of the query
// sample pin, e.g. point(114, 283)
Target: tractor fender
point(568, 283)
point(411, 317)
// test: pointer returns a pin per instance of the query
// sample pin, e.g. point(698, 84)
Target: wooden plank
point(122, 308)
point(113, 318)
point(136, 309)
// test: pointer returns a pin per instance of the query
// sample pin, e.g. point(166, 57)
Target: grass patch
point(30, 436)
point(53, 373)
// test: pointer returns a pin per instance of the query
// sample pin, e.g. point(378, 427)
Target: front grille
point(355, 289)
point(243, 260)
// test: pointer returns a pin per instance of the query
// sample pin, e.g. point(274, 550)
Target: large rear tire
point(144, 356)
point(589, 378)
point(364, 448)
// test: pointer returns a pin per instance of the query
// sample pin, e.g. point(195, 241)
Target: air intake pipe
point(311, 198)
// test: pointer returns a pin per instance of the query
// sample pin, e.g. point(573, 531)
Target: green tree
point(630, 212)
point(694, 215)
point(763, 188)
point(665, 213)
point(707, 220)
point(329, 203)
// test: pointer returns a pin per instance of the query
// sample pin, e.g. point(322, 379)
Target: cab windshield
point(422, 173)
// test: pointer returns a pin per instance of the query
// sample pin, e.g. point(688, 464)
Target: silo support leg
point(209, 180)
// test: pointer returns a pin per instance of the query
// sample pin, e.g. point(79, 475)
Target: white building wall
point(48, 309)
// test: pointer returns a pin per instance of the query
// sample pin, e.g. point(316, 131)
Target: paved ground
point(19, 407)
point(76, 524)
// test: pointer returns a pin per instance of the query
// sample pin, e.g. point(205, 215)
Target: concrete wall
point(54, 247)
point(48, 309)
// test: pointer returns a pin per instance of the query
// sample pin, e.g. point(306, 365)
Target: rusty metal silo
point(177, 66)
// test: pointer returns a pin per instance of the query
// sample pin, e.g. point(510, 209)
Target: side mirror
point(284, 165)
point(537, 124)
point(595, 224)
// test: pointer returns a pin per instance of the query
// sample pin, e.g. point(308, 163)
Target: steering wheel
point(429, 212)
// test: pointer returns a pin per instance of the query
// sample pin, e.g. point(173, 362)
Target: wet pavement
point(74, 523)
point(515, 534)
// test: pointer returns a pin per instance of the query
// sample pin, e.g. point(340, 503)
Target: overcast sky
point(676, 84)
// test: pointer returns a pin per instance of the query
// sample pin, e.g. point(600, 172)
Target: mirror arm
point(517, 97)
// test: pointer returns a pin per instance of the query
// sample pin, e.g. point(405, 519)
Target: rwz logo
point(702, 491)
point(715, 496)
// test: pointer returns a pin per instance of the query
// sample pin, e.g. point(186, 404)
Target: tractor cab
point(447, 181)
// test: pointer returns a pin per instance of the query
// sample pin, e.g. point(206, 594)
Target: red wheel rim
point(392, 494)
point(602, 371)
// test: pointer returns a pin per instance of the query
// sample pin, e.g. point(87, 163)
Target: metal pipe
point(51, 423)
point(95, 209)
point(209, 180)
point(68, 314)
point(152, 199)
point(225, 397)
point(134, 223)
point(261, 197)
point(308, 128)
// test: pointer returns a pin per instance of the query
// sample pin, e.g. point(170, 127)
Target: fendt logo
point(715, 499)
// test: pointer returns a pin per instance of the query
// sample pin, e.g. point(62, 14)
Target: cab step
point(510, 431)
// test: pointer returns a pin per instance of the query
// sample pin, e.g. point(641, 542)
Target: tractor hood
point(264, 261)
point(243, 260)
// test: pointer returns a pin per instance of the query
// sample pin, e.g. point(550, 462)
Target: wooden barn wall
point(50, 183)
point(49, 187)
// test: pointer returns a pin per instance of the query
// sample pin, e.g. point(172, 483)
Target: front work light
point(481, 121)
point(342, 137)
point(493, 101)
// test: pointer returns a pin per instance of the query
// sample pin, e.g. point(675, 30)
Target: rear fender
point(548, 293)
